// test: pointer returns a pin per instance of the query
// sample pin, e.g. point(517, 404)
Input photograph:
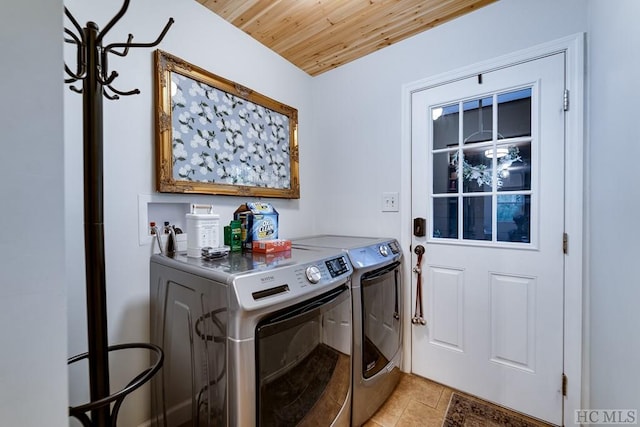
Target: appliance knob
point(313, 274)
point(383, 250)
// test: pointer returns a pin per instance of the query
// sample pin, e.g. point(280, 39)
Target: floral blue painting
point(215, 136)
point(221, 138)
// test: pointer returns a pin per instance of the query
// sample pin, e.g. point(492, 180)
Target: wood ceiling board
point(318, 35)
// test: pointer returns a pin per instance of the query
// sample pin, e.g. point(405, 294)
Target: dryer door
point(380, 293)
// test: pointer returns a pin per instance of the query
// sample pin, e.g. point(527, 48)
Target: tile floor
point(418, 402)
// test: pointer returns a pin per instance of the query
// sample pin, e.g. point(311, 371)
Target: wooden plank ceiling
point(318, 35)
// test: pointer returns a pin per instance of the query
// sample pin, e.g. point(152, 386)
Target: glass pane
point(514, 215)
point(445, 218)
point(477, 218)
point(514, 166)
point(477, 120)
point(444, 173)
point(476, 170)
point(445, 126)
point(514, 114)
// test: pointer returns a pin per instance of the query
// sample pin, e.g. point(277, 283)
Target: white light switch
point(390, 202)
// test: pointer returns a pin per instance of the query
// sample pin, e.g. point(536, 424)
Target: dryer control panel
point(375, 254)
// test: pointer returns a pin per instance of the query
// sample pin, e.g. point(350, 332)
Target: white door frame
point(574, 295)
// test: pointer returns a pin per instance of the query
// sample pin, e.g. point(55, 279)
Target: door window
point(481, 157)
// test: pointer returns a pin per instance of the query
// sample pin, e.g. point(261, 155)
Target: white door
point(488, 176)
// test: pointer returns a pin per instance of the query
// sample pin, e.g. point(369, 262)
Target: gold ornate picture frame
point(214, 136)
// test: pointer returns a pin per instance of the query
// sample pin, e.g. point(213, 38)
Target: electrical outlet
point(390, 202)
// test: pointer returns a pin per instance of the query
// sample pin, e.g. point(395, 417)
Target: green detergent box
point(259, 221)
point(233, 236)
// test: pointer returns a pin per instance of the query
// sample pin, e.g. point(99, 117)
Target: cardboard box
point(259, 221)
point(271, 246)
point(269, 260)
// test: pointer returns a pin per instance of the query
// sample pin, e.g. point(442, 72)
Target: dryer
point(377, 316)
point(252, 339)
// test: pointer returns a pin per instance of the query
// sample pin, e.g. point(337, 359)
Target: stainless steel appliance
point(377, 316)
point(252, 339)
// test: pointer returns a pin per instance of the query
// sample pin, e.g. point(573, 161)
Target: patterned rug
point(465, 411)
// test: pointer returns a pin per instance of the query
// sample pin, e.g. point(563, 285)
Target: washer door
point(302, 373)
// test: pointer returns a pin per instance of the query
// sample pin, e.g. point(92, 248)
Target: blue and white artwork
point(218, 137)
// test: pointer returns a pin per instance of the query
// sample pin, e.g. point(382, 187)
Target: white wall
point(33, 374)
point(358, 106)
point(613, 62)
point(202, 38)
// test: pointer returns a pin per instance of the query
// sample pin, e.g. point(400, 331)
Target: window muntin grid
point(481, 160)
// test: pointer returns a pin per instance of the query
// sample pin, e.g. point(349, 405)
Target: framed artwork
point(214, 136)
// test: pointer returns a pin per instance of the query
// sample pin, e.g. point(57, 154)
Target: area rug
point(465, 411)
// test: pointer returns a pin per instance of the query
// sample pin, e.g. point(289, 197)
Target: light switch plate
point(390, 202)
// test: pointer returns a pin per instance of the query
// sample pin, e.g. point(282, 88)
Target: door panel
point(513, 321)
point(447, 316)
point(488, 174)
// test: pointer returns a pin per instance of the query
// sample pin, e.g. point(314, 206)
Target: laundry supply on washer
point(233, 236)
point(271, 246)
point(259, 221)
point(203, 229)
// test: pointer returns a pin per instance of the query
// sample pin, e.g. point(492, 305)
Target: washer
point(252, 339)
point(377, 316)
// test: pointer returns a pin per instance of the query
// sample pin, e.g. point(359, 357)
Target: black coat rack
point(93, 70)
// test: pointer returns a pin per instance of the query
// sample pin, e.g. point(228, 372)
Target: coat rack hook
point(75, 24)
point(109, 48)
point(126, 49)
point(113, 22)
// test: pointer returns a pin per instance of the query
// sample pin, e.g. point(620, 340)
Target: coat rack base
point(80, 412)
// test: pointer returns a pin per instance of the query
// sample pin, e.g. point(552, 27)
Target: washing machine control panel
point(287, 283)
point(384, 251)
point(337, 266)
point(313, 274)
point(334, 266)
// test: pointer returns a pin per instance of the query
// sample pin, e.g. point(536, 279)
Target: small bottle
point(171, 242)
point(236, 235)
point(166, 227)
point(155, 232)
